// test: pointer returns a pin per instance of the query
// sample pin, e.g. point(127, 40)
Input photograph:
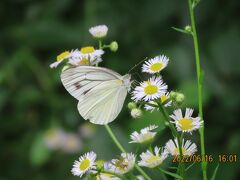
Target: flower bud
point(173, 95)
point(114, 46)
point(166, 123)
point(188, 28)
point(136, 113)
point(132, 105)
point(180, 98)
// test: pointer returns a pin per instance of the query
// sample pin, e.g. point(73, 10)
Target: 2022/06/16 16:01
point(222, 158)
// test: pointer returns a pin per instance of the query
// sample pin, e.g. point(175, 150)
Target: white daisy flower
point(163, 100)
point(144, 136)
point(122, 165)
point(106, 176)
point(85, 164)
point(152, 160)
point(93, 55)
point(186, 123)
point(99, 31)
point(155, 65)
point(149, 90)
point(86, 56)
point(188, 148)
point(60, 58)
point(76, 57)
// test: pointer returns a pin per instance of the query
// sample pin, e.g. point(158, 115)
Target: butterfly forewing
point(74, 79)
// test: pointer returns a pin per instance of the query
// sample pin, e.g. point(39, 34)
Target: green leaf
point(39, 153)
point(181, 30)
point(171, 174)
point(214, 173)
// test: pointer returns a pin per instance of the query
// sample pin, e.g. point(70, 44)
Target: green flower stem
point(120, 147)
point(199, 83)
point(100, 44)
point(176, 176)
point(163, 175)
point(105, 46)
point(109, 130)
point(142, 172)
point(181, 167)
point(167, 119)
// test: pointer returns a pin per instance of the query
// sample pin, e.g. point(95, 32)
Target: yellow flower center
point(186, 123)
point(84, 61)
point(156, 67)
point(62, 55)
point(146, 138)
point(150, 89)
point(153, 159)
point(163, 98)
point(176, 151)
point(87, 49)
point(121, 164)
point(84, 164)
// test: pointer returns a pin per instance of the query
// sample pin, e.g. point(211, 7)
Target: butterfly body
point(100, 91)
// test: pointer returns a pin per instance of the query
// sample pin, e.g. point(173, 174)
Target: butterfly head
point(127, 81)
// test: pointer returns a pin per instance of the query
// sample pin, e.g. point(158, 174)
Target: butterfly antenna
point(137, 76)
point(137, 65)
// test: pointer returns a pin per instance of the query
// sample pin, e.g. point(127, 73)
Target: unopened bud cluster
point(135, 111)
point(177, 97)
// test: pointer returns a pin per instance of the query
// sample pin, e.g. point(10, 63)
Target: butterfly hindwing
point(102, 105)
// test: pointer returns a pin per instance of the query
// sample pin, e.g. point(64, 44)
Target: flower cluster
point(154, 88)
point(125, 163)
point(153, 159)
point(87, 55)
point(153, 93)
point(87, 164)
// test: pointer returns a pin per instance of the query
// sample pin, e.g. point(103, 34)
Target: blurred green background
point(34, 104)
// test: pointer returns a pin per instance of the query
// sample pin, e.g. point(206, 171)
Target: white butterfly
point(100, 91)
